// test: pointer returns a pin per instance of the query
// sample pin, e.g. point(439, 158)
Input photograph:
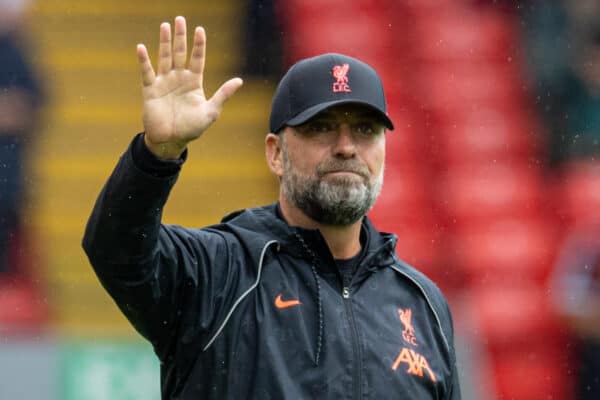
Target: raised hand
point(176, 110)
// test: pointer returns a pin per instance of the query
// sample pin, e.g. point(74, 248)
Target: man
point(576, 296)
point(21, 98)
point(302, 299)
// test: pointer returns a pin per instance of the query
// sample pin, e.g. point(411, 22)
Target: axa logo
point(340, 73)
point(417, 364)
point(408, 333)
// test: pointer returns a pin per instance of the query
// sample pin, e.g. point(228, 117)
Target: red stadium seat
point(528, 375)
point(458, 87)
point(346, 36)
point(475, 193)
point(360, 29)
point(401, 88)
point(514, 250)
point(488, 133)
point(375, 31)
point(466, 36)
point(510, 316)
point(22, 308)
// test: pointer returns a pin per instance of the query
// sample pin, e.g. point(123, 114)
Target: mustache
point(346, 166)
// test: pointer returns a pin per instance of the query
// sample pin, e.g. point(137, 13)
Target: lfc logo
point(417, 364)
point(340, 73)
point(408, 334)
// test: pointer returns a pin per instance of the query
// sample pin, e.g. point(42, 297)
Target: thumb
point(225, 92)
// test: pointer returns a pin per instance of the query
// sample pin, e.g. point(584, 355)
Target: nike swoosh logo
point(279, 303)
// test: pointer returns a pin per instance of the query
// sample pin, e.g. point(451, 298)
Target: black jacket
point(255, 309)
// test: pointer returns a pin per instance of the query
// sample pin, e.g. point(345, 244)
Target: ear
point(273, 151)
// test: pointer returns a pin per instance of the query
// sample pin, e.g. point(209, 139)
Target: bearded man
point(299, 299)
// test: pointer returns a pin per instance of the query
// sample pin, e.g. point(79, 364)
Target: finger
point(179, 44)
point(225, 92)
point(165, 59)
point(146, 70)
point(198, 52)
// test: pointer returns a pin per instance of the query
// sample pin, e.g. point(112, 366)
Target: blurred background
point(492, 179)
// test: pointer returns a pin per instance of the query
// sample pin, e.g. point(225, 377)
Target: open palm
point(176, 110)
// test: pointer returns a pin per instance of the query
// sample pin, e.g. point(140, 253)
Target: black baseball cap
point(315, 84)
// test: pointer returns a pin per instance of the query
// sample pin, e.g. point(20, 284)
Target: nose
point(344, 146)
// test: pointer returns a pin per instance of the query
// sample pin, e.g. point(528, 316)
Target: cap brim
point(314, 110)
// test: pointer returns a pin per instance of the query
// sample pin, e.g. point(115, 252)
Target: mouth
point(343, 170)
point(343, 174)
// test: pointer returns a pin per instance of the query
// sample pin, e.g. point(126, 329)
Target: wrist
point(165, 151)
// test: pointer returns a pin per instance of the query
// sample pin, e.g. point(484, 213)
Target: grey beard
point(338, 202)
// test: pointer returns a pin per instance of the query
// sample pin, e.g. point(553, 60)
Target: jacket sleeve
point(447, 322)
point(161, 277)
point(455, 386)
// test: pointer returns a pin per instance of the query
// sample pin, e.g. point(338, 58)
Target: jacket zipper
point(356, 373)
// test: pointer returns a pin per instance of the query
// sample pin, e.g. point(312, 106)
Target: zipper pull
point(346, 292)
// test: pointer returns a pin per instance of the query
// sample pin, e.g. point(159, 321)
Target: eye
point(366, 128)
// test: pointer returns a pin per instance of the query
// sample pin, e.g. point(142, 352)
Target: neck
point(343, 241)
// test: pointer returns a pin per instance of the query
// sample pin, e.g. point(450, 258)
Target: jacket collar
point(262, 224)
